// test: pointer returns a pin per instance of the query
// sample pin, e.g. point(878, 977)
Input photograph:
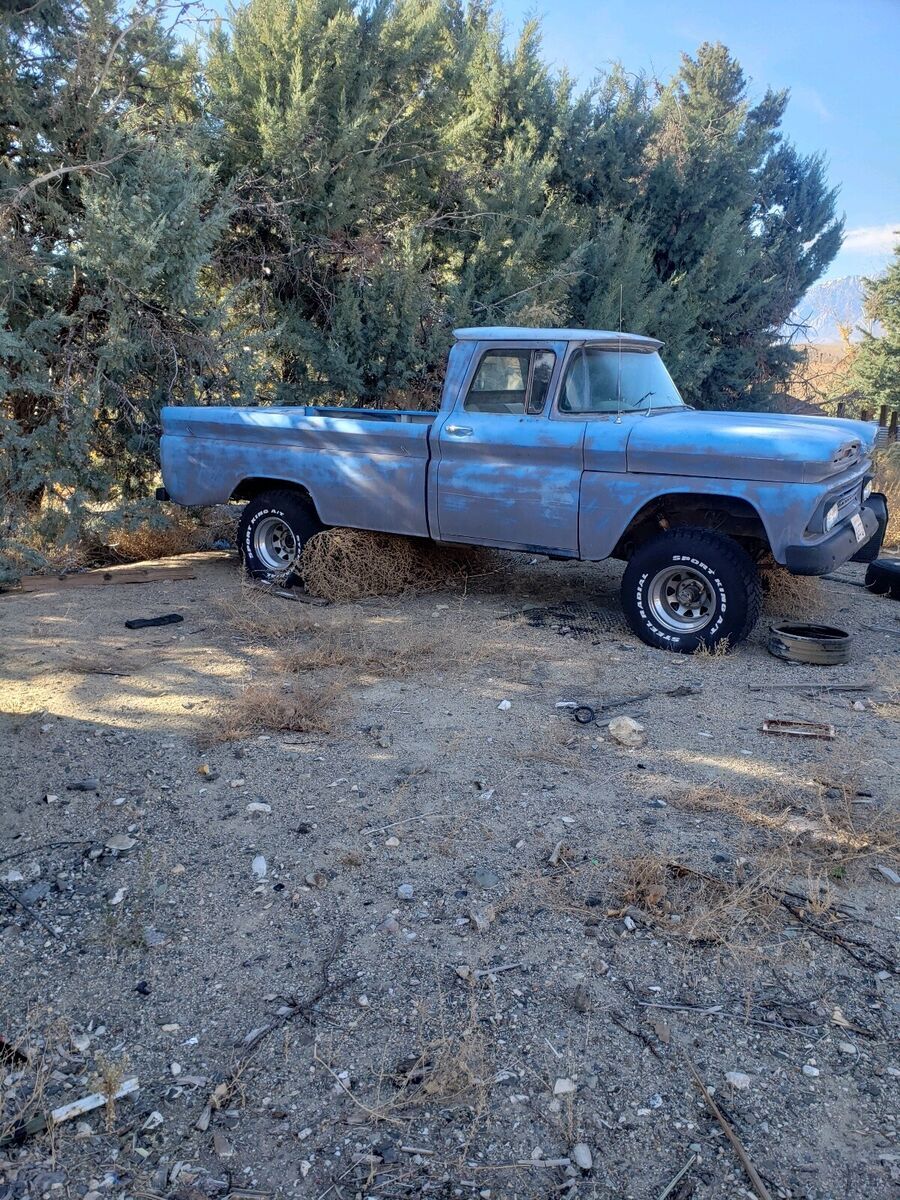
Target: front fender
point(611, 501)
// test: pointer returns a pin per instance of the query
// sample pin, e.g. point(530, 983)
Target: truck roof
point(516, 333)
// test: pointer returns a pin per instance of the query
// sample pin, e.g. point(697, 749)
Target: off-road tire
point(883, 577)
point(292, 510)
point(718, 562)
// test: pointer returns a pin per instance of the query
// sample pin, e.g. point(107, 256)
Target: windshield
point(607, 381)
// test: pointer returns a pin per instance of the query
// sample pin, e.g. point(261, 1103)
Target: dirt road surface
point(449, 942)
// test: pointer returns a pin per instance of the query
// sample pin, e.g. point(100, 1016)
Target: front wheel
point(688, 588)
point(273, 530)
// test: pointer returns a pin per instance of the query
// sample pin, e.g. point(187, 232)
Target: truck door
point(508, 475)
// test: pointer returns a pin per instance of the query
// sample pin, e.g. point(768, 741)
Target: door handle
point(459, 430)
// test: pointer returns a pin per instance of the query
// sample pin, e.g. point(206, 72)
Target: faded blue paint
point(565, 483)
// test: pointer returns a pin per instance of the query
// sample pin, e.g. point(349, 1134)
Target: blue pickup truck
point(572, 443)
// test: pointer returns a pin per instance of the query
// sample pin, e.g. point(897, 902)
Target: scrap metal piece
point(788, 728)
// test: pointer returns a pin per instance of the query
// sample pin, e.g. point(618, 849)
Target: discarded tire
point(883, 578)
point(821, 645)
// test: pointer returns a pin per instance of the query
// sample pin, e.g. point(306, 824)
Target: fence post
point(841, 408)
point(865, 415)
point(883, 415)
point(892, 428)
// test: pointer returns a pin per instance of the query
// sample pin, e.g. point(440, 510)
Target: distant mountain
point(831, 304)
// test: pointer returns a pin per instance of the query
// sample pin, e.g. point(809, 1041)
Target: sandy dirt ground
point(448, 943)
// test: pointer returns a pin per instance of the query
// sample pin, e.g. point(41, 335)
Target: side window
point(500, 383)
point(541, 373)
point(574, 391)
point(506, 377)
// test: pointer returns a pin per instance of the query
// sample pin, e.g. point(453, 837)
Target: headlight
point(867, 489)
point(831, 516)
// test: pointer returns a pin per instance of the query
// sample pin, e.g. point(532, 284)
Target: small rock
point(259, 867)
point(362, 1001)
point(154, 1120)
point(811, 1071)
point(846, 1048)
point(222, 1146)
point(390, 924)
point(485, 877)
point(316, 879)
point(564, 1087)
point(392, 842)
point(738, 1080)
point(37, 891)
point(581, 999)
point(257, 806)
point(13, 877)
point(405, 891)
point(504, 705)
point(626, 731)
point(121, 842)
point(118, 895)
point(83, 785)
point(81, 1042)
point(581, 1156)
point(890, 875)
point(175, 1068)
point(481, 919)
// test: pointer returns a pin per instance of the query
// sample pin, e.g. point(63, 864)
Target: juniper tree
point(107, 221)
point(875, 370)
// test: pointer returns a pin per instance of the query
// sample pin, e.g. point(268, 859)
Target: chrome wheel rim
point(275, 544)
point(682, 600)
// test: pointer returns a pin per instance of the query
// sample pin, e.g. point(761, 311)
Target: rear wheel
point(273, 530)
point(688, 588)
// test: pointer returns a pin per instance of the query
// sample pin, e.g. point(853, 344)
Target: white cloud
point(811, 100)
point(872, 239)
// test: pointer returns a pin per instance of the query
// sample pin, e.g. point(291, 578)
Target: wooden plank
point(103, 578)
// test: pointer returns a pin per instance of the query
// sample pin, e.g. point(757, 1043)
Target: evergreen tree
point(107, 223)
point(875, 370)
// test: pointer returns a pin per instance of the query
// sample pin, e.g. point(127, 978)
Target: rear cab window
point(512, 382)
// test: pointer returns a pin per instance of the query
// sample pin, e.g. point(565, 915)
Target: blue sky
point(839, 58)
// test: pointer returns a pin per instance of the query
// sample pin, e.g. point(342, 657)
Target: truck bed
point(365, 468)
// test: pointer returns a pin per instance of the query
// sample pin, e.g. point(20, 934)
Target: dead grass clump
point(764, 810)
point(28, 1060)
point(258, 617)
point(791, 595)
point(123, 539)
point(716, 653)
point(347, 564)
point(852, 828)
point(887, 480)
point(831, 820)
point(99, 664)
point(456, 1067)
point(696, 906)
point(276, 707)
point(349, 647)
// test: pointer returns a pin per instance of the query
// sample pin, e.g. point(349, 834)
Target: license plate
point(858, 528)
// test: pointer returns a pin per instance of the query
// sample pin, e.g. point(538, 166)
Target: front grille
point(849, 498)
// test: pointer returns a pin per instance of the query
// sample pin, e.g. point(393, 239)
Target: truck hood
point(762, 446)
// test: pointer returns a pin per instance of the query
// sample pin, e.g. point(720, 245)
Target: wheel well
point(249, 489)
point(723, 514)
